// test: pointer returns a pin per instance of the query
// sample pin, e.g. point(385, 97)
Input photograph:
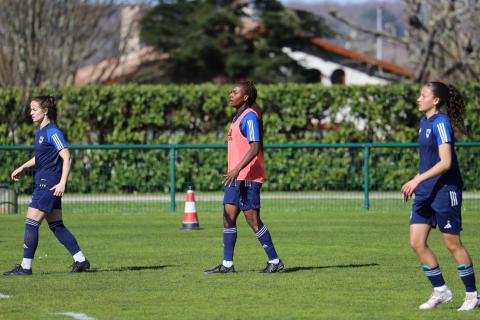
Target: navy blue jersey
point(433, 132)
point(249, 127)
point(48, 164)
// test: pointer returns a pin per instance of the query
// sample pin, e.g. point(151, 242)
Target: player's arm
point(59, 188)
point(445, 154)
point(17, 172)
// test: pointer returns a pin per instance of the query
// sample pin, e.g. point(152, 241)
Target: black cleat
point(80, 266)
point(18, 271)
point(221, 269)
point(273, 267)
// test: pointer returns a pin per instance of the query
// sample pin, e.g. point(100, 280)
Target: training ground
point(341, 263)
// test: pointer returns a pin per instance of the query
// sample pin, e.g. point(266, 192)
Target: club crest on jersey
point(427, 133)
point(40, 140)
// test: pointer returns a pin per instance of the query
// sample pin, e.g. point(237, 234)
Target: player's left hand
point(58, 189)
point(230, 177)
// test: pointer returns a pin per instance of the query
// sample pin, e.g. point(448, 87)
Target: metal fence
point(328, 176)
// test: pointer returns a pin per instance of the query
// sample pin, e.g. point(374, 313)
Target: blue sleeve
point(443, 131)
point(250, 128)
point(56, 139)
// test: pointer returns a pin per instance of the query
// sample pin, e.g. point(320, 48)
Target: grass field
point(340, 264)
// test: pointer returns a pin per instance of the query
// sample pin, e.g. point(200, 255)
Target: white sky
point(331, 1)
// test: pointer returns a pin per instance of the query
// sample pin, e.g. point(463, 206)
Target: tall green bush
point(293, 113)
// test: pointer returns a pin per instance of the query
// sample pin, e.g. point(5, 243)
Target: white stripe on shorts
point(453, 198)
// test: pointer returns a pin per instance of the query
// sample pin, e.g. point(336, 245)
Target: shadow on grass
point(301, 268)
point(120, 269)
point(133, 268)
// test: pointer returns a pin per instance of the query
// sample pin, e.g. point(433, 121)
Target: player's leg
point(250, 205)
point(33, 220)
point(262, 233)
point(465, 270)
point(422, 220)
point(418, 241)
point(230, 214)
point(448, 207)
point(66, 238)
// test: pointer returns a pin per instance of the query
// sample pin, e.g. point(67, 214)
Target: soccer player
point(52, 166)
point(438, 193)
point(244, 178)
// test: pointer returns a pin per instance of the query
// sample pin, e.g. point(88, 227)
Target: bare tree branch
point(337, 16)
point(441, 38)
point(54, 38)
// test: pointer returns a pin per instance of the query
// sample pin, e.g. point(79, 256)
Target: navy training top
point(49, 140)
point(433, 132)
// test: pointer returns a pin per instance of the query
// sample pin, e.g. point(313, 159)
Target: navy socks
point(30, 241)
point(263, 236)
point(64, 236)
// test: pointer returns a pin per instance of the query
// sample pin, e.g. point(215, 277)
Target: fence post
point(171, 154)
point(366, 155)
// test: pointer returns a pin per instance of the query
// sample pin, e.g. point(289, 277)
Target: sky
point(330, 1)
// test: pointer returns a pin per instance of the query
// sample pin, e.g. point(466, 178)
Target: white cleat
point(437, 298)
point(471, 302)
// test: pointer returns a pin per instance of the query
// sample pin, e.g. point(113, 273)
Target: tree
point(226, 40)
point(441, 38)
point(45, 42)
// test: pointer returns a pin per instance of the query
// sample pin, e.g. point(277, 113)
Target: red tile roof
point(385, 66)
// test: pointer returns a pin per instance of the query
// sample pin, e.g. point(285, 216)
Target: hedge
point(293, 113)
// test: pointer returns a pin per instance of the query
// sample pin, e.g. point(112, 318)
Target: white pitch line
point(4, 296)
point(76, 315)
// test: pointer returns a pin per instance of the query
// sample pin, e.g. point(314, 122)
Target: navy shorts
point(442, 209)
point(243, 194)
point(44, 200)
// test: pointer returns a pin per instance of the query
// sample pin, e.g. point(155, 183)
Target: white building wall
point(352, 76)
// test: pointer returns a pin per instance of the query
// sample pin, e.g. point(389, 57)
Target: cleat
point(18, 271)
point(437, 297)
point(80, 266)
point(220, 269)
point(273, 267)
point(471, 302)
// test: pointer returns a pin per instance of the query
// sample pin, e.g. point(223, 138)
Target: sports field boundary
point(218, 197)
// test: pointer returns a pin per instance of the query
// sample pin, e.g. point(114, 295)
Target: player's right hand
point(405, 197)
point(16, 174)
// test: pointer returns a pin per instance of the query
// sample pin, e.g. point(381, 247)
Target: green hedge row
point(200, 114)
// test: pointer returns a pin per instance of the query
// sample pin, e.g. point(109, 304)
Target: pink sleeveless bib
point(238, 147)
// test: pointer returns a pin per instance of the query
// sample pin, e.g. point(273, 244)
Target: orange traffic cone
point(190, 219)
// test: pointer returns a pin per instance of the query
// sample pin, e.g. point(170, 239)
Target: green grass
point(340, 264)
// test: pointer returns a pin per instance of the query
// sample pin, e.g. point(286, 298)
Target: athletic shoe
point(470, 303)
point(437, 298)
point(221, 269)
point(273, 267)
point(80, 266)
point(18, 271)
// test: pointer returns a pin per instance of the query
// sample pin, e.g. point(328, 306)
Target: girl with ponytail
point(52, 166)
point(438, 192)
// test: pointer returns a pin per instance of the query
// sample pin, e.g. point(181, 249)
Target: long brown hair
point(452, 99)
point(50, 103)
